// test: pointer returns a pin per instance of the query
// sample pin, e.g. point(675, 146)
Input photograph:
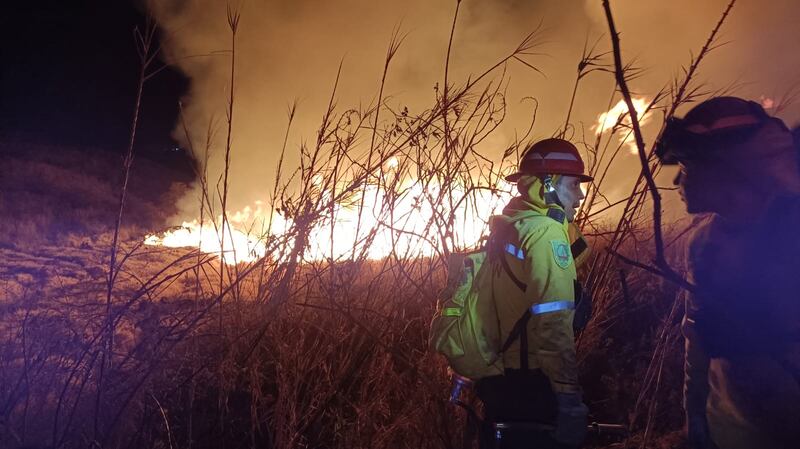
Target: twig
point(660, 260)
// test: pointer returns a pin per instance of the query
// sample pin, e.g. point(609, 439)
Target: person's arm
point(695, 386)
point(551, 291)
point(701, 263)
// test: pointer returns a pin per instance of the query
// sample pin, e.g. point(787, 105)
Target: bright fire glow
point(409, 228)
point(392, 163)
point(238, 245)
point(606, 121)
point(766, 102)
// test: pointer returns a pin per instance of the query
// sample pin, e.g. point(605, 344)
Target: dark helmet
point(551, 157)
point(710, 127)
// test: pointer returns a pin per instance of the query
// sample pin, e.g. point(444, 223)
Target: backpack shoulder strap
point(520, 328)
point(516, 252)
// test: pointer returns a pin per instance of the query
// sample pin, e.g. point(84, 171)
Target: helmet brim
point(514, 177)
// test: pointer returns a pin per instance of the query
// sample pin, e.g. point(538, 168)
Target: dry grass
point(341, 364)
point(181, 351)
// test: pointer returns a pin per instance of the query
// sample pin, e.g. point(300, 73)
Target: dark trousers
point(520, 396)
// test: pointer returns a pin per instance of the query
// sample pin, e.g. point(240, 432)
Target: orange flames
point(405, 226)
point(618, 120)
point(241, 240)
point(375, 223)
point(766, 102)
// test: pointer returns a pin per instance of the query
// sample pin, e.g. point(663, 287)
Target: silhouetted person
point(742, 322)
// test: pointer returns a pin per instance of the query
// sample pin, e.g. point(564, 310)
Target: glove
point(697, 433)
point(572, 422)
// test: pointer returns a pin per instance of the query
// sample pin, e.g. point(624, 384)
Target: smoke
point(290, 51)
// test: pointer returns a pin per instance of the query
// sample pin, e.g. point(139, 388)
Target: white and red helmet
point(710, 128)
point(551, 157)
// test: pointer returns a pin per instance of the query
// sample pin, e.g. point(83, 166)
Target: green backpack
point(466, 329)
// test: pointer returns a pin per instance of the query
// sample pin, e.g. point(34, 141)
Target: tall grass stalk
point(147, 54)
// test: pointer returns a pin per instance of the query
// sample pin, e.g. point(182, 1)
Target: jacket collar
point(531, 189)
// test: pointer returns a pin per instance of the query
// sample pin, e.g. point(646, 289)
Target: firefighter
point(535, 272)
point(742, 320)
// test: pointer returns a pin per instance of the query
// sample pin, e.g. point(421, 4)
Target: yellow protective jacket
point(742, 329)
point(539, 256)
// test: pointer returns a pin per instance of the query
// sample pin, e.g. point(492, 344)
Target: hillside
point(48, 194)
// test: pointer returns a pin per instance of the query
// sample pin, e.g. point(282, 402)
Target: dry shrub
point(179, 350)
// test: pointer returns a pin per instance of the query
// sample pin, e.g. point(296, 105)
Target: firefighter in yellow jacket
point(742, 321)
point(534, 282)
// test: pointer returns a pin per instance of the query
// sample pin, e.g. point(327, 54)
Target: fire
point(380, 225)
point(618, 117)
point(766, 102)
point(392, 163)
point(241, 240)
point(236, 246)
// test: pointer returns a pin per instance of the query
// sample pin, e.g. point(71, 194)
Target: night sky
point(69, 74)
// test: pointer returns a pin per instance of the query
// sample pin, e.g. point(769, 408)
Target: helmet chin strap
point(550, 194)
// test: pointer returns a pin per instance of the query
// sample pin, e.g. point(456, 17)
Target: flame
point(236, 246)
point(618, 118)
point(378, 225)
point(392, 163)
point(766, 102)
point(242, 239)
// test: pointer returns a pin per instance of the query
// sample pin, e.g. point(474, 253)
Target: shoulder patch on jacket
point(561, 253)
